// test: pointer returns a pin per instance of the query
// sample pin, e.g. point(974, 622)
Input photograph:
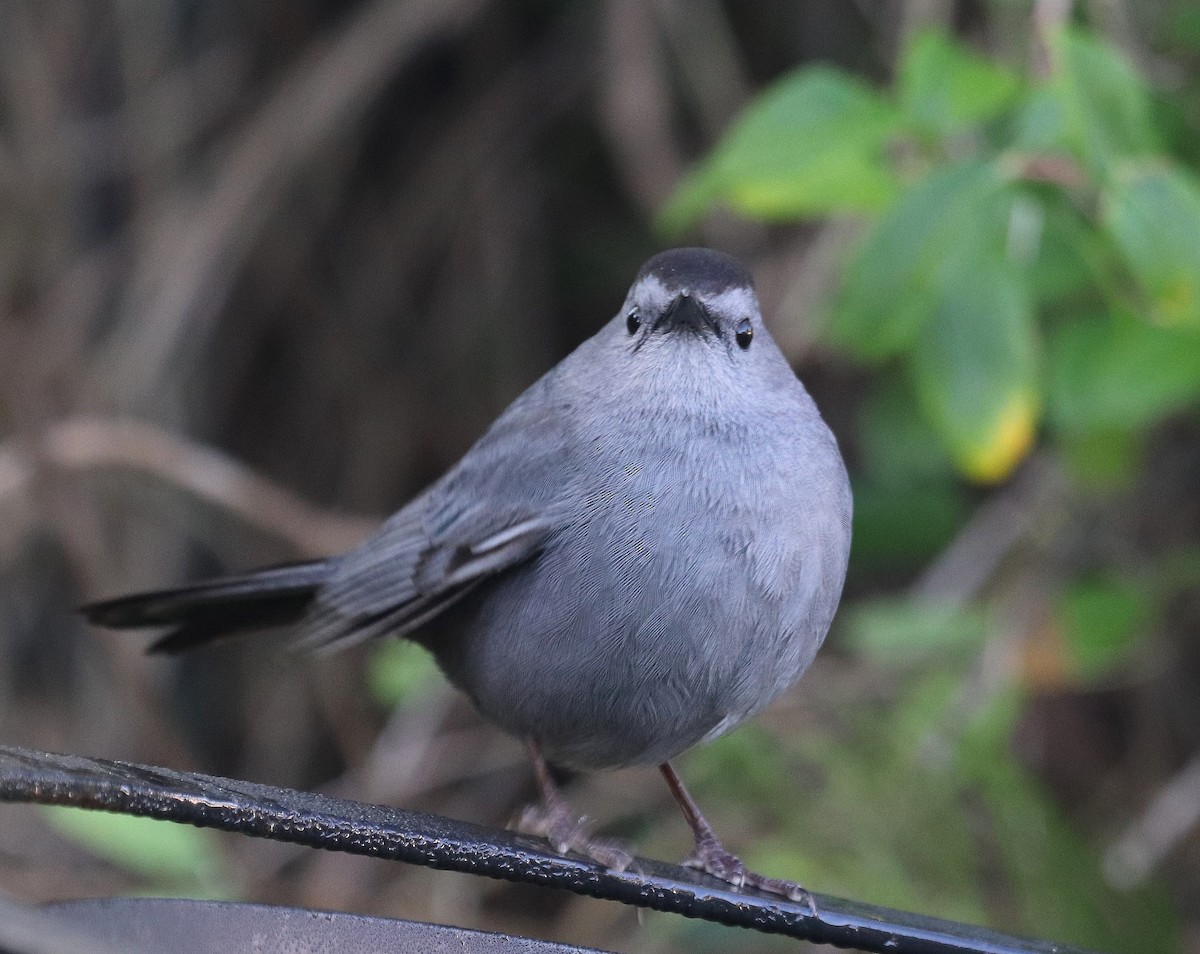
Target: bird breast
point(682, 593)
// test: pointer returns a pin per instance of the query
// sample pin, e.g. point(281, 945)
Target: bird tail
point(206, 611)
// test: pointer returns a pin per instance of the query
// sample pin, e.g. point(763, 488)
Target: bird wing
point(493, 510)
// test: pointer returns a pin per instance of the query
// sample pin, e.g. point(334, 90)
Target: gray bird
point(642, 552)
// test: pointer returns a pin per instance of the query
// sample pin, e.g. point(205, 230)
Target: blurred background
point(266, 269)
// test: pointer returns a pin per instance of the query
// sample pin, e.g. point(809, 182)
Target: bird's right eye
point(633, 321)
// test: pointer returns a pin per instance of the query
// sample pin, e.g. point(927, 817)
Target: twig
point(707, 57)
point(635, 108)
point(794, 282)
point(961, 571)
point(161, 120)
point(1173, 813)
point(91, 443)
point(1048, 18)
point(192, 249)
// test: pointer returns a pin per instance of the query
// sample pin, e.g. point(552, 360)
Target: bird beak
point(686, 313)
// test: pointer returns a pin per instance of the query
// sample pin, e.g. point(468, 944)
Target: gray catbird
point(643, 551)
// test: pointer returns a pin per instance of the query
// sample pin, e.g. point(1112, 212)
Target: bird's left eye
point(633, 321)
point(744, 332)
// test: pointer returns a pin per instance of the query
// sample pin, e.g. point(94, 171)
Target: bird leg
point(711, 856)
point(551, 818)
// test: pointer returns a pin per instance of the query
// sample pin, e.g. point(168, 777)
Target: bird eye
point(633, 321)
point(744, 332)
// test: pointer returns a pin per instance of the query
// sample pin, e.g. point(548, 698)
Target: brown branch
point(90, 443)
point(1170, 817)
point(635, 103)
point(192, 248)
point(1049, 16)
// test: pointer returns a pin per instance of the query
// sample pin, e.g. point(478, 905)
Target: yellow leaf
point(1006, 444)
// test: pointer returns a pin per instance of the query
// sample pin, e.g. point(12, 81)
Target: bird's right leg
point(551, 818)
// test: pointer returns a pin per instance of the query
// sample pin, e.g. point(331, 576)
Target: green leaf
point(1153, 215)
point(399, 670)
point(166, 853)
point(945, 86)
point(1040, 125)
point(1101, 621)
point(897, 445)
point(1116, 372)
point(897, 527)
point(899, 631)
point(810, 144)
point(1105, 105)
point(890, 288)
point(1183, 27)
point(1073, 255)
point(1102, 462)
point(908, 502)
point(975, 367)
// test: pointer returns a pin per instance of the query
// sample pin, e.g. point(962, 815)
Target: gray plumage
point(644, 550)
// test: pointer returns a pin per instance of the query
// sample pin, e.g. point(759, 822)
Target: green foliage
point(1153, 214)
point(1072, 260)
point(1115, 372)
point(399, 671)
point(901, 630)
point(975, 367)
point(944, 87)
point(1010, 210)
point(897, 526)
point(920, 806)
point(1101, 620)
point(1030, 255)
point(922, 242)
point(1055, 875)
point(1102, 104)
point(170, 858)
point(907, 505)
point(813, 143)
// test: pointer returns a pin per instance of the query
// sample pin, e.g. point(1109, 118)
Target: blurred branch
point(30, 103)
point(1048, 17)
point(1003, 520)
point(500, 123)
point(86, 444)
point(798, 278)
point(1173, 813)
point(708, 59)
point(1032, 503)
point(193, 247)
point(918, 14)
point(635, 106)
point(160, 121)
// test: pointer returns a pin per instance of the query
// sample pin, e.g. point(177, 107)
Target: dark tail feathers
point(215, 608)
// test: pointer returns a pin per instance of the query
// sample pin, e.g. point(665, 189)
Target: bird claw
point(568, 833)
point(712, 858)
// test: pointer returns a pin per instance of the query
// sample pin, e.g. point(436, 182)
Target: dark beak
point(685, 313)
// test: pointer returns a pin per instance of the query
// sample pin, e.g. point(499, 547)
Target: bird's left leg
point(712, 857)
point(551, 818)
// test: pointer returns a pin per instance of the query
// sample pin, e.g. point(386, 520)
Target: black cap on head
point(702, 271)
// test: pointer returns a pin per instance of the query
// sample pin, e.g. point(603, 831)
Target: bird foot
point(554, 821)
point(712, 858)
